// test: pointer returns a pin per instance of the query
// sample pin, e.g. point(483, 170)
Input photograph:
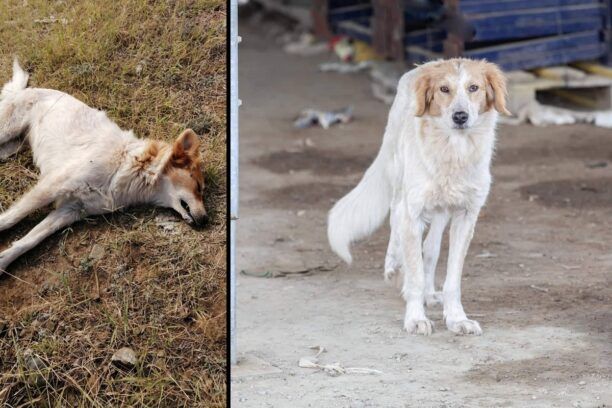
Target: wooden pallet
point(592, 92)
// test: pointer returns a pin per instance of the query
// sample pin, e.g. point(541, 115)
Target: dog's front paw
point(433, 299)
point(466, 326)
point(419, 326)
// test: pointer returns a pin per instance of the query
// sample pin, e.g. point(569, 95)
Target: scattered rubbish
point(544, 115)
point(385, 77)
point(538, 288)
point(334, 369)
point(582, 383)
point(124, 357)
point(282, 274)
point(570, 267)
point(168, 223)
point(51, 20)
point(306, 46)
point(597, 165)
point(486, 254)
point(343, 47)
point(345, 67)
point(310, 117)
point(364, 52)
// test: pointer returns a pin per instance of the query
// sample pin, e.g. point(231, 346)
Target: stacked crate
point(516, 34)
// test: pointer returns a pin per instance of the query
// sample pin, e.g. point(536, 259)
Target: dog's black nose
point(460, 117)
point(202, 220)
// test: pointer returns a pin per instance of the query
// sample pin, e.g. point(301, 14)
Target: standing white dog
point(433, 167)
point(88, 165)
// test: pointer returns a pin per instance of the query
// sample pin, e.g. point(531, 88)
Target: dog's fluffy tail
point(360, 212)
point(18, 83)
point(363, 210)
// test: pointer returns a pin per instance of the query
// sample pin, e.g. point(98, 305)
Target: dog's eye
point(473, 88)
point(444, 89)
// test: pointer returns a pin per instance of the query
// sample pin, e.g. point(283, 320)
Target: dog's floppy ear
point(423, 94)
point(496, 88)
point(185, 148)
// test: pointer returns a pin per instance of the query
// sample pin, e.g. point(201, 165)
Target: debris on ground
point(385, 77)
point(311, 117)
point(168, 223)
point(597, 165)
point(124, 357)
point(282, 274)
point(343, 47)
point(345, 67)
point(486, 254)
point(538, 288)
point(334, 369)
point(306, 45)
point(543, 115)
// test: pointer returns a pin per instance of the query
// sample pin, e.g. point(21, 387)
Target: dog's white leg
point(40, 195)
point(56, 220)
point(413, 289)
point(461, 231)
point(431, 252)
point(393, 259)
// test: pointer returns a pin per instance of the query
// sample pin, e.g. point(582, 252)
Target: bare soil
point(537, 276)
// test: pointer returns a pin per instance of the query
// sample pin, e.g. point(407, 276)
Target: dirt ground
point(537, 276)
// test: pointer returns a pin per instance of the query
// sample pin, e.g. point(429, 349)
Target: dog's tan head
point(181, 184)
point(458, 91)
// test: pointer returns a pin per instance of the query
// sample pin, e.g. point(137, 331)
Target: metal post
point(234, 103)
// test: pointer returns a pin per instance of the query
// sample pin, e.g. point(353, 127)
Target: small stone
point(125, 357)
point(97, 252)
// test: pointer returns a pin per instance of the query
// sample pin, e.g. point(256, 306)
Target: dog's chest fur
point(451, 170)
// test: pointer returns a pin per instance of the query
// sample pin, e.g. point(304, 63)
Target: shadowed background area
point(138, 279)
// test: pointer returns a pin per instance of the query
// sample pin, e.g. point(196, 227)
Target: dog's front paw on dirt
point(464, 327)
point(423, 327)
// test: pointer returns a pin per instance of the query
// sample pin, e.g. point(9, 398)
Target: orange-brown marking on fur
point(151, 153)
point(429, 98)
point(185, 166)
point(487, 76)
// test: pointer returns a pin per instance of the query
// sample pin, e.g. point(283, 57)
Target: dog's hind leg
point(56, 220)
point(431, 252)
point(393, 259)
point(41, 195)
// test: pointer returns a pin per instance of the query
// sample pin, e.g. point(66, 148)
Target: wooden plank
point(594, 68)
point(350, 13)
point(486, 6)
point(355, 30)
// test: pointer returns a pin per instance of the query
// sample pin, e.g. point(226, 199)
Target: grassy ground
point(120, 280)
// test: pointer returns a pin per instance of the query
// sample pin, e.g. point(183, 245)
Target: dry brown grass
point(155, 67)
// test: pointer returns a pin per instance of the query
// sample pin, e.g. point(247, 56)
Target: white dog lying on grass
point(433, 167)
point(88, 165)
